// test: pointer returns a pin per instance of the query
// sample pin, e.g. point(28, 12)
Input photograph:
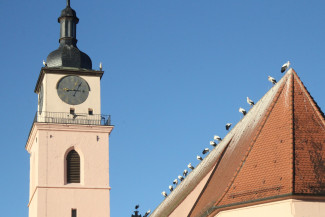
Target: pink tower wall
point(50, 195)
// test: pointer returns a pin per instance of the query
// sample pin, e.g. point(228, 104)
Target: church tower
point(68, 141)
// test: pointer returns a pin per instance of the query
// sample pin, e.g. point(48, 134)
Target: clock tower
point(68, 141)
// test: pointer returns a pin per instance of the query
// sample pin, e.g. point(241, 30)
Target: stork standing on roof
point(285, 66)
point(206, 150)
point(190, 166)
point(181, 178)
point(164, 193)
point(218, 138)
point(199, 158)
point(212, 143)
point(243, 111)
point(185, 173)
point(147, 213)
point(250, 102)
point(271, 79)
point(175, 182)
point(228, 125)
point(171, 188)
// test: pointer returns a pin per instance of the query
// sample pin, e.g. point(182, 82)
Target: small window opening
point(72, 111)
point(73, 167)
point(90, 111)
point(74, 213)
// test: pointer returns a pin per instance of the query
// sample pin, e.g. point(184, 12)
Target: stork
point(272, 80)
point(250, 102)
point(206, 150)
point(285, 66)
point(190, 166)
point(164, 193)
point(241, 110)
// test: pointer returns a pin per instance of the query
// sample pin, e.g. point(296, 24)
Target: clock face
point(73, 90)
point(40, 100)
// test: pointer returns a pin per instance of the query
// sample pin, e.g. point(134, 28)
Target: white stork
point(285, 66)
point(250, 102)
point(271, 79)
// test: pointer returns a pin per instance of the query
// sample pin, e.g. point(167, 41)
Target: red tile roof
point(282, 154)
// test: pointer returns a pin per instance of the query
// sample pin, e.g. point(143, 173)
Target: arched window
point(73, 167)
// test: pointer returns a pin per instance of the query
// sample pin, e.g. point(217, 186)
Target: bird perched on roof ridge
point(147, 213)
point(218, 138)
point(44, 63)
point(190, 166)
point(243, 111)
point(137, 206)
point(212, 143)
point(228, 125)
point(285, 66)
point(250, 102)
point(171, 188)
point(181, 178)
point(199, 158)
point(271, 79)
point(185, 173)
point(206, 150)
point(164, 193)
point(175, 182)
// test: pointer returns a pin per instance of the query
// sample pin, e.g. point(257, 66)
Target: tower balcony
point(72, 118)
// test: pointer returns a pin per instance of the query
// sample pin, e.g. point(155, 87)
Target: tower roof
point(277, 150)
point(68, 54)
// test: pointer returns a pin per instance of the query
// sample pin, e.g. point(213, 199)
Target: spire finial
point(68, 3)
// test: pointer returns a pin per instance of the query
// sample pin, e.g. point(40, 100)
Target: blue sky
point(175, 73)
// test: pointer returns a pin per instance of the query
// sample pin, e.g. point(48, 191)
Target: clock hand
point(77, 89)
point(67, 89)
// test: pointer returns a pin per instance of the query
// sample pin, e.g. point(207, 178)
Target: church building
point(68, 141)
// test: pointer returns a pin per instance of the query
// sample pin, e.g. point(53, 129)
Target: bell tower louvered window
point(73, 167)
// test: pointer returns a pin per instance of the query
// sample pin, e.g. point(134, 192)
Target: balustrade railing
point(68, 118)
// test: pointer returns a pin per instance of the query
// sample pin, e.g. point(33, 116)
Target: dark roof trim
point(212, 209)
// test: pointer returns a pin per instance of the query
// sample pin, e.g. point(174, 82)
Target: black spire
point(68, 22)
point(68, 54)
